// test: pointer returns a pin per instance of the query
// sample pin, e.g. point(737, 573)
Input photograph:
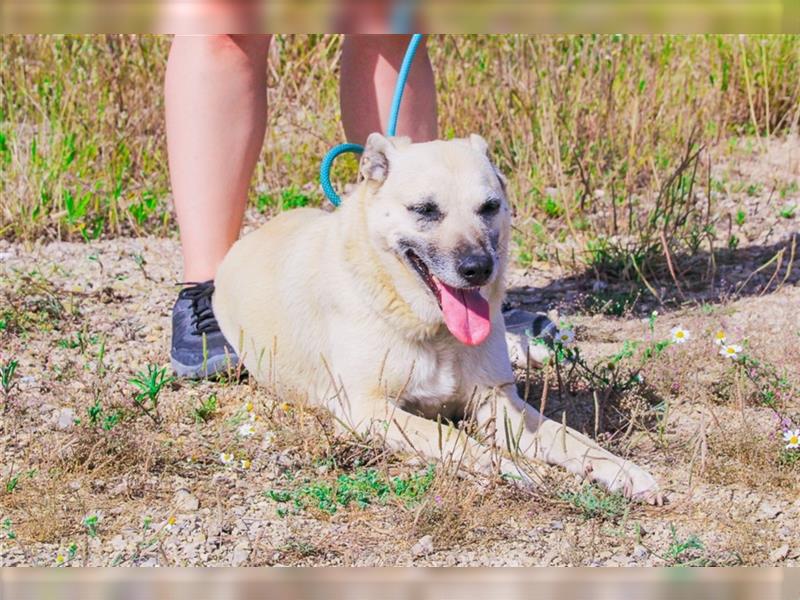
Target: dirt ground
point(82, 319)
point(222, 516)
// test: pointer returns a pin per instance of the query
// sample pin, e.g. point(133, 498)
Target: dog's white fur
point(326, 305)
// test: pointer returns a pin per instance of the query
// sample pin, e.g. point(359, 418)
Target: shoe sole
point(213, 366)
point(521, 325)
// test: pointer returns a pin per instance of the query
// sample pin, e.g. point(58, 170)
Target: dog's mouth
point(465, 311)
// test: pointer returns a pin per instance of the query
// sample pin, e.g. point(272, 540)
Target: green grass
point(7, 371)
point(593, 503)
point(688, 551)
point(149, 384)
point(206, 409)
point(362, 488)
point(789, 211)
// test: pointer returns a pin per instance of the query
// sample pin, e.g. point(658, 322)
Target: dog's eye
point(427, 210)
point(489, 208)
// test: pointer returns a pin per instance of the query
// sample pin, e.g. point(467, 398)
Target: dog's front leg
point(429, 440)
point(522, 429)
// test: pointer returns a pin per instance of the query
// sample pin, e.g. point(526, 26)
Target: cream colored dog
point(387, 312)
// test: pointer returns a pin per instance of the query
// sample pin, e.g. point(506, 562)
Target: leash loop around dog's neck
point(327, 161)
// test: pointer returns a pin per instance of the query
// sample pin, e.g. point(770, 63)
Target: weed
point(146, 207)
point(205, 411)
point(293, 198)
point(91, 523)
point(11, 484)
point(612, 303)
point(8, 529)
point(79, 341)
point(362, 488)
point(150, 383)
point(72, 551)
point(7, 371)
point(688, 551)
point(788, 211)
point(106, 421)
point(594, 502)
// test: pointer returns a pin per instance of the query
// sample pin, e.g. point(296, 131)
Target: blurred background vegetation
point(602, 136)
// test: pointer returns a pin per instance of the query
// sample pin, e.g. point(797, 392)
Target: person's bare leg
point(370, 64)
point(216, 109)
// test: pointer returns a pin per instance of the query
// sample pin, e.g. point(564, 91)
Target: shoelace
point(203, 319)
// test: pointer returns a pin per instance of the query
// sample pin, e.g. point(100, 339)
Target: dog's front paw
point(629, 479)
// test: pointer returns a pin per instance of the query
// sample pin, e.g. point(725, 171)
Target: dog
point(387, 312)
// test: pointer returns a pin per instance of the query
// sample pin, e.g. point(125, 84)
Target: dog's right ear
point(377, 157)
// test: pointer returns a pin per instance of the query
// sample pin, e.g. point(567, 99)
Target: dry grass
point(591, 130)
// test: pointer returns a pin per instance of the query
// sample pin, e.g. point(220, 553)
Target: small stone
point(66, 419)
point(779, 554)
point(185, 501)
point(767, 510)
point(557, 525)
point(118, 543)
point(241, 553)
point(119, 489)
point(639, 552)
point(285, 460)
point(549, 558)
point(423, 547)
point(149, 562)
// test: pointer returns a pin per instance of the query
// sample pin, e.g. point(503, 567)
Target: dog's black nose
point(476, 268)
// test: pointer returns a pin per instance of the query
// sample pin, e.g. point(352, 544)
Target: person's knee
point(392, 47)
point(231, 47)
point(229, 51)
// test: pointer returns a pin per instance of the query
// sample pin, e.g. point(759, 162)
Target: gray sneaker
point(523, 326)
point(198, 347)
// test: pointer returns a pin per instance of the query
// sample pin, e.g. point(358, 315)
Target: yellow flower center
point(679, 334)
point(720, 335)
point(794, 440)
point(730, 350)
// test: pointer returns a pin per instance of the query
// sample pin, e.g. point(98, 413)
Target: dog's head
point(441, 209)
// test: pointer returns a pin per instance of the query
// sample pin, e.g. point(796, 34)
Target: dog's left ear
point(378, 154)
point(479, 144)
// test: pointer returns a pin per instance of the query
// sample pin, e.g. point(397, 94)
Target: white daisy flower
point(565, 336)
point(680, 335)
point(170, 524)
point(226, 458)
point(719, 338)
point(247, 430)
point(245, 463)
point(730, 350)
point(792, 438)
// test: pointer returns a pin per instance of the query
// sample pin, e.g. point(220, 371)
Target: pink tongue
point(466, 313)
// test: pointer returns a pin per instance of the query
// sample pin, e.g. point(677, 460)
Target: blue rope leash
point(327, 161)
